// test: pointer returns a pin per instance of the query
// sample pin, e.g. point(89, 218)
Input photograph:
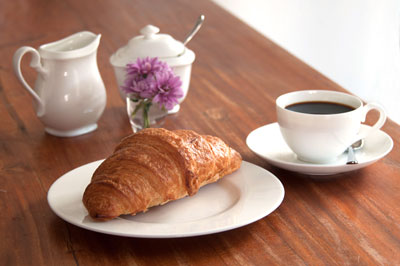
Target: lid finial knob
point(148, 31)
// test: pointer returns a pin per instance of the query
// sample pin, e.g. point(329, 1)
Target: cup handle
point(381, 120)
point(35, 63)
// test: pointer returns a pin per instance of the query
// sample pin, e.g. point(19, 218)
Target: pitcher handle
point(35, 63)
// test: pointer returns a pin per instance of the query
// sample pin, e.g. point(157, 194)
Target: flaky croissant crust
point(155, 166)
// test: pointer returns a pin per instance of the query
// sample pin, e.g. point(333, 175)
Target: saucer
point(268, 143)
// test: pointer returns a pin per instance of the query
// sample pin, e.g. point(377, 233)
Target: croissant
point(153, 167)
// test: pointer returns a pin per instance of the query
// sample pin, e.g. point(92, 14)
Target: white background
point(353, 42)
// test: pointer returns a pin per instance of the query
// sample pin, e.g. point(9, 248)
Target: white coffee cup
point(321, 138)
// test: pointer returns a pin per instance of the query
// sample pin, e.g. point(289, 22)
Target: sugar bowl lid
point(149, 44)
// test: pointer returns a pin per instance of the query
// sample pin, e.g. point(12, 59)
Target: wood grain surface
point(348, 219)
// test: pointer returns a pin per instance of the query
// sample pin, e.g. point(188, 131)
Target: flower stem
point(137, 107)
point(146, 109)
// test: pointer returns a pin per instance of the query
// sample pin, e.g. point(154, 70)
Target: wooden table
point(352, 218)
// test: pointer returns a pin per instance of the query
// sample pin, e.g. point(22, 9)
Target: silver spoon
point(351, 157)
point(195, 29)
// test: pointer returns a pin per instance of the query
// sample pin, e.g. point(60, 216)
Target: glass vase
point(144, 116)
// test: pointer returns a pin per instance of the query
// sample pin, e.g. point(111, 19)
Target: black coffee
point(319, 108)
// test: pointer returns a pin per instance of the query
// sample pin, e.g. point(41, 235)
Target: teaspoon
point(195, 29)
point(351, 157)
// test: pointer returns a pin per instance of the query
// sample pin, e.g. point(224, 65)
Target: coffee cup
point(319, 125)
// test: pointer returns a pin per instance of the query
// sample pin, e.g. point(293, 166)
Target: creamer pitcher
point(69, 93)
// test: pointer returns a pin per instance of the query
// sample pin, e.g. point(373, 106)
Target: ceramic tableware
point(69, 94)
point(244, 196)
point(268, 143)
point(151, 43)
point(321, 138)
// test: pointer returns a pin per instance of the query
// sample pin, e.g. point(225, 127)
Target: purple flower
point(168, 90)
point(144, 88)
point(151, 81)
point(143, 69)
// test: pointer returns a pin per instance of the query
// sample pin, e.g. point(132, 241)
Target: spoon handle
point(351, 157)
point(195, 29)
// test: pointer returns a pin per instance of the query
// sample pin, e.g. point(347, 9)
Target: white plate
point(268, 143)
point(238, 199)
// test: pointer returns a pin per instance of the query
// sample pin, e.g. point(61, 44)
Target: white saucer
point(267, 142)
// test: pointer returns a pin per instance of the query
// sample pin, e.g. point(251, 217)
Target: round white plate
point(238, 199)
point(268, 143)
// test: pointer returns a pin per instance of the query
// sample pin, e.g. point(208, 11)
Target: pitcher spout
point(95, 41)
point(77, 45)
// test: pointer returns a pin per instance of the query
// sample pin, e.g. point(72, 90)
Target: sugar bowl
point(151, 43)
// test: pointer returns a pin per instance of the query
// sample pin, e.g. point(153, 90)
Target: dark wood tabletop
point(350, 218)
